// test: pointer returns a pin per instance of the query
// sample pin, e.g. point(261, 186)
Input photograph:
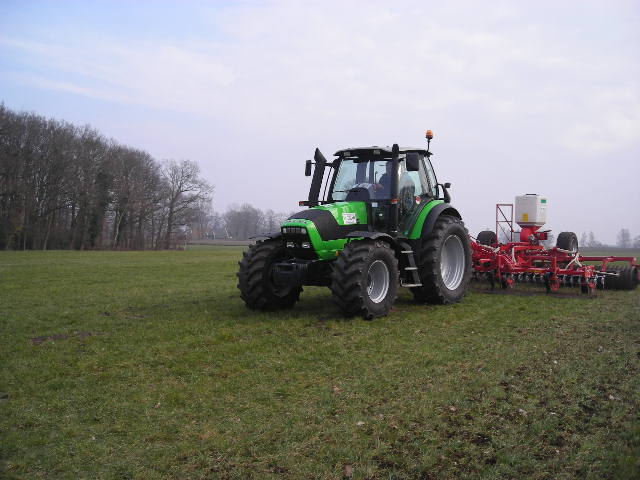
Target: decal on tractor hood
point(349, 218)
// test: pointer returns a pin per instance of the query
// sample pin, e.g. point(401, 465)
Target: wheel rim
point(377, 281)
point(452, 262)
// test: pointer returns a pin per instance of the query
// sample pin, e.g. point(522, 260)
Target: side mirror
point(413, 162)
point(445, 192)
point(307, 168)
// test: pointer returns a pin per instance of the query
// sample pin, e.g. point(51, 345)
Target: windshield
point(373, 175)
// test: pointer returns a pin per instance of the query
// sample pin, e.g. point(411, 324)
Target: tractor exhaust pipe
point(318, 175)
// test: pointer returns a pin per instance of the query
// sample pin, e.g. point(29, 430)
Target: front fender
point(432, 216)
point(427, 216)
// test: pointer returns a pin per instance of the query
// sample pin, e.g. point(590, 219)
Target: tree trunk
point(167, 241)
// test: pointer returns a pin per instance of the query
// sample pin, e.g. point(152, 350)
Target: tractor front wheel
point(255, 278)
point(364, 280)
point(445, 263)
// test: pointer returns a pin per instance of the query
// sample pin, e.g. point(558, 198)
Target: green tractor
point(383, 222)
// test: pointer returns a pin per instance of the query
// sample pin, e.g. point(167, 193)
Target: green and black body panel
point(314, 238)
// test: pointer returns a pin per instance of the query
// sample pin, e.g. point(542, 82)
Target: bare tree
point(593, 243)
point(243, 222)
point(583, 240)
point(184, 189)
point(624, 238)
point(63, 186)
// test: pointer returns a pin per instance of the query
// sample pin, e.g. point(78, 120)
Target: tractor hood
point(335, 220)
point(328, 225)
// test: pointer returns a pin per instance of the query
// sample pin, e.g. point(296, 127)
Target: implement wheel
point(612, 282)
point(567, 241)
point(255, 280)
point(445, 263)
point(364, 280)
point(487, 237)
point(628, 278)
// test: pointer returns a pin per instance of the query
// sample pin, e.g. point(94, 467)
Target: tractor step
point(411, 278)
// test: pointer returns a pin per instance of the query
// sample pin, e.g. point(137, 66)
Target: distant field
point(220, 242)
point(620, 252)
point(146, 365)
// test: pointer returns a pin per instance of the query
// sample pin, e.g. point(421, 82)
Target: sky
point(523, 97)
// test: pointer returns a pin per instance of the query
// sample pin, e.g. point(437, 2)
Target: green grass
point(147, 365)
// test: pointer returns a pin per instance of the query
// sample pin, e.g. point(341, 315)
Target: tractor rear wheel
point(567, 241)
point(445, 263)
point(364, 280)
point(255, 279)
point(487, 237)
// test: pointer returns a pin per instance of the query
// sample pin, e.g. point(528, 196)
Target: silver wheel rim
point(377, 281)
point(452, 262)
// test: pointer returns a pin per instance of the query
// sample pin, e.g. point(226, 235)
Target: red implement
point(529, 261)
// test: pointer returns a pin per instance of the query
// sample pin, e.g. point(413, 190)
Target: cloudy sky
point(523, 97)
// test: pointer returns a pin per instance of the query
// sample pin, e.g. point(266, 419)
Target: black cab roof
point(374, 151)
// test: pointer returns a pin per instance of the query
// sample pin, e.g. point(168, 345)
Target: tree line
point(68, 187)
point(64, 186)
point(623, 240)
point(241, 222)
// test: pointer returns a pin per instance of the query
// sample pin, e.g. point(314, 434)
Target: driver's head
point(389, 167)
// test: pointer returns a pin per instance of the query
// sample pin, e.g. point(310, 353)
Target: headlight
point(294, 230)
point(291, 245)
point(306, 245)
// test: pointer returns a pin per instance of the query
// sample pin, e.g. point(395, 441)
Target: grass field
point(146, 365)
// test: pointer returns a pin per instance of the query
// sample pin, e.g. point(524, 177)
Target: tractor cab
point(366, 174)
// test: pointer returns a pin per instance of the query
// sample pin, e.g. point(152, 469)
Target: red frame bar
point(508, 221)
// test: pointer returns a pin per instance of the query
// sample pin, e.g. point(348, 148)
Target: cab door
point(414, 190)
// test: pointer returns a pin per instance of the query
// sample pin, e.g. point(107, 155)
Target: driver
point(383, 187)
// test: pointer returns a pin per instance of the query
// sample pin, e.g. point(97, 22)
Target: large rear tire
point(364, 280)
point(445, 263)
point(567, 241)
point(255, 279)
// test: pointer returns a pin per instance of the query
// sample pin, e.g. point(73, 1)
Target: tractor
point(383, 222)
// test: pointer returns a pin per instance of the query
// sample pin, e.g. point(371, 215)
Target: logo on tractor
point(349, 218)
